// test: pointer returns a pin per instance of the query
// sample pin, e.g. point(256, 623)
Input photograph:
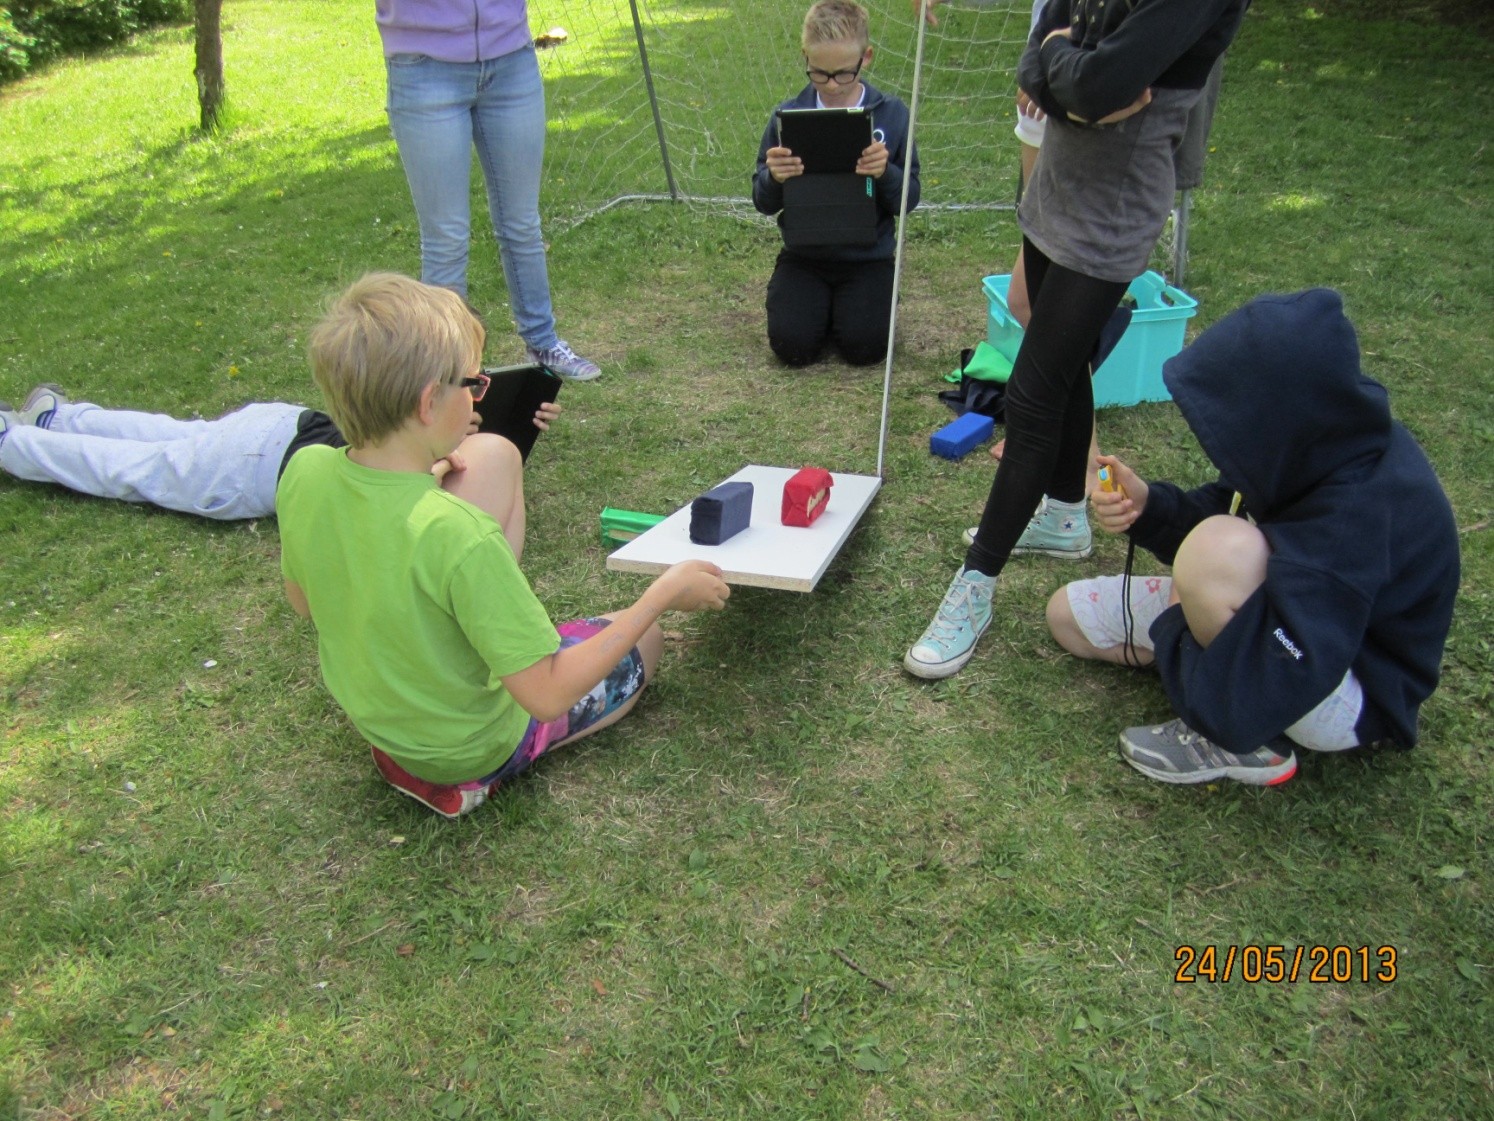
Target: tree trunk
point(209, 69)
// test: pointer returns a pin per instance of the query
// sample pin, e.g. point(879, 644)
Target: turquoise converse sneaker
point(958, 624)
point(1058, 529)
point(561, 360)
point(1174, 752)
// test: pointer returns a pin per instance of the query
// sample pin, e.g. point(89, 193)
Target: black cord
point(1128, 651)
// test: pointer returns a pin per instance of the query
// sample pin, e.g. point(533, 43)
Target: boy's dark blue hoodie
point(1364, 549)
point(890, 119)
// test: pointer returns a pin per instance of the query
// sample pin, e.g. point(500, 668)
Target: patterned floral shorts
point(610, 694)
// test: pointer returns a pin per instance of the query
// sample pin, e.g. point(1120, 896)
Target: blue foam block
point(959, 436)
point(721, 513)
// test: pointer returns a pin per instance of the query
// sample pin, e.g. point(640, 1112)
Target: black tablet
point(509, 405)
point(825, 139)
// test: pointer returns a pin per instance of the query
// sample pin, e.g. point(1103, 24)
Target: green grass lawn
point(796, 883)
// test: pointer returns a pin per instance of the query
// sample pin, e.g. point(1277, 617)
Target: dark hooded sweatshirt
point(1118, 48)
point(1364, 548)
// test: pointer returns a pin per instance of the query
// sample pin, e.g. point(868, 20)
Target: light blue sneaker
point(1057, 529)
point(958, 624)
point(562, 360)
point(7, 419)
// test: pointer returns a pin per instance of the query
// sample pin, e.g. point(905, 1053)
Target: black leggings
point(845, 303)
point(1050, 404)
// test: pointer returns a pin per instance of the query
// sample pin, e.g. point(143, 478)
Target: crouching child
point(1312, 584)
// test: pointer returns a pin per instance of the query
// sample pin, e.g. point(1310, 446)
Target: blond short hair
point(836, 21)
point(383, 341)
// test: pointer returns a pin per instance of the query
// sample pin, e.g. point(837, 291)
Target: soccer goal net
point(667, 99)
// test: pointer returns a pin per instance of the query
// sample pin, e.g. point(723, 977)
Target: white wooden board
point(767, 554)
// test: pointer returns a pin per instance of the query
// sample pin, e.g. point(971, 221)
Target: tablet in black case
point(826, 140)
point(509, 405)
point(828, 210)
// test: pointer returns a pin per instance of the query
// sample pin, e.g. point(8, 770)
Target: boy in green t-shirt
point(403, 549)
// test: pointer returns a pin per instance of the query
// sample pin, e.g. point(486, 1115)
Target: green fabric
point(986, 364)
point(419, 608)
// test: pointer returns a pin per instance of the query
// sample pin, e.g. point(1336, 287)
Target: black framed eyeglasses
point(478, 383)
point(839, 77)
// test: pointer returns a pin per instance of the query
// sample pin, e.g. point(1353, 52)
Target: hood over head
point(1275, 396)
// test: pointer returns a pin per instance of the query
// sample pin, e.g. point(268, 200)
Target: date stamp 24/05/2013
point(1275, 965)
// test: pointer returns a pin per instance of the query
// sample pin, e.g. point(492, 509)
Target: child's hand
point(873, 161)
point(783, 164)
point(447, 464)
point(1117, 510)
point(928, 7)
point(1141, 102)
point(545, 415)
point(693, 585)
point(1029, 108)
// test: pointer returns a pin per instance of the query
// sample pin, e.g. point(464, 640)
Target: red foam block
point(806, 495)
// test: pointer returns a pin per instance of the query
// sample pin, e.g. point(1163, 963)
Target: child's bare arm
point(297, 599)
point(552, 685)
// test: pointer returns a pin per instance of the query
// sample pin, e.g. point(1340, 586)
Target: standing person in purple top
point(463, 73)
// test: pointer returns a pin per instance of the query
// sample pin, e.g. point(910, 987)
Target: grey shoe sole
point(1061, 554)
point(1249, 776)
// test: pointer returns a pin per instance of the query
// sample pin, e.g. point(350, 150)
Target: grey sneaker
point(1057, 529)
point(1174, 752)
point(561, 359)
point(950, 639)
point(41, 405)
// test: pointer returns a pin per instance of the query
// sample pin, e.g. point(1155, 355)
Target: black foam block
point(721, 513)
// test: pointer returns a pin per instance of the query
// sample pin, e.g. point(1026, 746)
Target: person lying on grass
point(428, 634)
point(225, 469)
point(1312, 586)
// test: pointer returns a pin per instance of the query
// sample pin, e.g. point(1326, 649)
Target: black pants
point(846, 303)
point(1050, 404)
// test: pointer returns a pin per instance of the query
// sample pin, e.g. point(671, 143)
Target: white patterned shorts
point(1097, 608)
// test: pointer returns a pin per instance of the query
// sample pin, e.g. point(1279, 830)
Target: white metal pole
point(902, 229)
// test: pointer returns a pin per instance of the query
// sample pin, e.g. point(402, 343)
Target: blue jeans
point(438, 112)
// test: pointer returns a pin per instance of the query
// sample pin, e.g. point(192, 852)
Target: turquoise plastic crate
point(1133, 372)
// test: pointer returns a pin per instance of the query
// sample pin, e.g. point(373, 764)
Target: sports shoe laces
point(1204, 750)
point(954, 611)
